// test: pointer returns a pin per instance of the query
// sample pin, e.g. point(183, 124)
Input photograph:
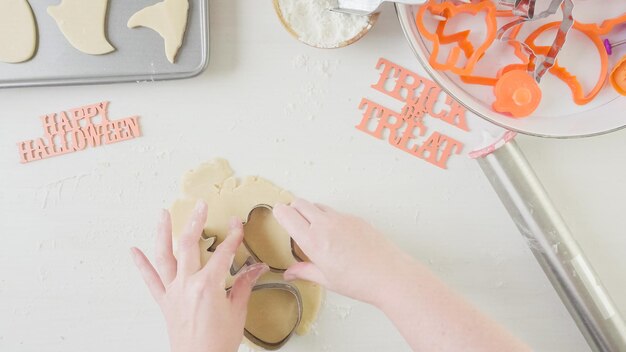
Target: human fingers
point(149, 274)
point(308, 210)
point(165, 261)
point(217, 268)
point(188, 247)
point(325, 208)
point(305, 271)
point(292, 221)
point(243, 284)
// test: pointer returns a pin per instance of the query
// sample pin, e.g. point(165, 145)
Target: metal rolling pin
point(555, 249)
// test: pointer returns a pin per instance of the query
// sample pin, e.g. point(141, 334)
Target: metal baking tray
point(139, 54)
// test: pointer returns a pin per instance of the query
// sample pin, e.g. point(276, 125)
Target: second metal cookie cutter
point(254, 259)
point(268, 345)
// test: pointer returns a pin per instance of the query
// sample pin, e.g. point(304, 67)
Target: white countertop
point(67, 282)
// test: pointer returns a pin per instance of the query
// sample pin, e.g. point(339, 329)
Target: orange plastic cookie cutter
point(517, 93)
point(618, 76)
point(449, 10)
point(517, 50)
point(593, 31)
point(578, 93)
point(605, 27)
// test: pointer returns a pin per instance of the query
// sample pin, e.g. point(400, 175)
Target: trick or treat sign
point(77, 129)
point(411, 129)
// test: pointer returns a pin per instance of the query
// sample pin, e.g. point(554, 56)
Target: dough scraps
point(82, 22)
point(226, 196)
point(169, 19)
point(18, 31)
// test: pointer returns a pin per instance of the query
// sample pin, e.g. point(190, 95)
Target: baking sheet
point(139, 54)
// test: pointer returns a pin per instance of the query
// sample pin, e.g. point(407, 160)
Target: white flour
point(317, 26)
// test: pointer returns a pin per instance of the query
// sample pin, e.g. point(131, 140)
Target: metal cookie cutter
point(268, 345)
point(525, 9)
point(296, 252)
point(254, 259)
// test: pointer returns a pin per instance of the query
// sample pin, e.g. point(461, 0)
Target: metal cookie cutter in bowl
point(258, 225)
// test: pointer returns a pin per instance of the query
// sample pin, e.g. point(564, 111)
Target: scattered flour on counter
point(315, 25)
point(300, 61)
point(323, 67)
point(339, 311)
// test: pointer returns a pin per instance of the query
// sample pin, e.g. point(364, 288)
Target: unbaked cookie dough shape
point(169, 19)
point(18, 31)
point(226, 196)
point(82, 22)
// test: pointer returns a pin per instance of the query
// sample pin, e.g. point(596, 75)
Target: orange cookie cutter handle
point(517, 93)
point(438, 37)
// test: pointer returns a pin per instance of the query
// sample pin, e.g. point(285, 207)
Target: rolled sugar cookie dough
point(18, 32)
point(82, 22)
point(169, 19)
point(226, 196)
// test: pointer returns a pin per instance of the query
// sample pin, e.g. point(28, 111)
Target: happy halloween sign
point(77, 129)
point(407, 130)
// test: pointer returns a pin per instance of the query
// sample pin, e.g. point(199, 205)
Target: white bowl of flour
point(311, 22)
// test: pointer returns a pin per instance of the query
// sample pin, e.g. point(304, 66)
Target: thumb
point(305, 271)
point(242, 287)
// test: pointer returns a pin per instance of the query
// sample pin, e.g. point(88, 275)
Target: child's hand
point(347, 254)
point(200, 315)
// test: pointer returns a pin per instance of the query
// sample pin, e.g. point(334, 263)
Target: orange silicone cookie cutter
point(449, 10)
point(578, 93)
point(517, 93)
point(518, 51)
point(618, 76)
point(605, 27)
point(593, 31)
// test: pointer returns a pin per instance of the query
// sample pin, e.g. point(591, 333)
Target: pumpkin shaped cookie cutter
point(252, 259)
